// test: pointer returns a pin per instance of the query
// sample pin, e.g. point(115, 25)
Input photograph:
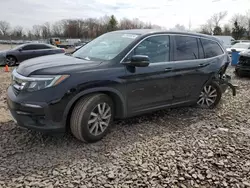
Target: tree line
point(237, 26)
point(72, 28)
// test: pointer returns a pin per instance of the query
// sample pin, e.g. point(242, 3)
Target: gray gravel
point(186, 147)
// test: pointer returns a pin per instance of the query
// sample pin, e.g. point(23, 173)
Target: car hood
point(245, 53)
point(54, 64)
point(237, 49)
point(3, 53)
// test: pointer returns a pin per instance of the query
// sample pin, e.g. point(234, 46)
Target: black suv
point(243, 66)
point(117, 75)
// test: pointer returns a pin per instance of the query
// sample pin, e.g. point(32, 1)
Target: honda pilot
point(119, 74)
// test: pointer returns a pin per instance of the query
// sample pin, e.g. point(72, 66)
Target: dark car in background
point(27, 51)
point(118, 75)
point(243, 66)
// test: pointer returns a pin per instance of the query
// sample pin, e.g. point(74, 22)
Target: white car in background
point(239, 47)
point(226, 41)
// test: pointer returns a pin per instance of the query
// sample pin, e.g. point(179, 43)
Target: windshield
point(17, 47)
point(241, 45)
point(105, 47)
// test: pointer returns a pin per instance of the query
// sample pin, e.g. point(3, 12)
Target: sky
point(166, 13)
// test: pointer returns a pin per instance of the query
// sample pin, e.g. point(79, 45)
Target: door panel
point(42, 50)
point(191, 71)
point(189, 79)
point(26, 54)
point(28, 51)
point(150, 87)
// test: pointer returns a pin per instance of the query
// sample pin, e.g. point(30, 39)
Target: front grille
point(244, 60)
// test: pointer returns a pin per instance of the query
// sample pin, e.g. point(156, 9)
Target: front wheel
point(11, 61)
point(91, 118)
point(210, 96)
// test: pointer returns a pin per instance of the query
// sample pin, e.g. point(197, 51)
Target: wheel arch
point(116, 97)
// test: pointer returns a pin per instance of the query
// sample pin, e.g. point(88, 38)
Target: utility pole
point(189, 24)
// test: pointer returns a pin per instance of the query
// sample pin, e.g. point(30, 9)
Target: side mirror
point(20, 49)
point(138, 61)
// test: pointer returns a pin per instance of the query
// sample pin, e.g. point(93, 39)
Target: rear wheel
point(11, 61)
point(91, 118)
point(210, 96)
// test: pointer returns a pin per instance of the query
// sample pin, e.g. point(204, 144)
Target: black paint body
point(134, 90)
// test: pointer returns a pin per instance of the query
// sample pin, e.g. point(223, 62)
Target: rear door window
point(186, 48)
point(42, 47)
point(211, 48)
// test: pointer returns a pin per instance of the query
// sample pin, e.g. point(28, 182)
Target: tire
point(11, 61)
point(86, 111)
point(211, 97)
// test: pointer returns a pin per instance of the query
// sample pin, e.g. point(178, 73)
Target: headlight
point(42, 82)
point(36, 82)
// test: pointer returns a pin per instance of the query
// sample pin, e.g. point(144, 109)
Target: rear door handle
point(203, 64)
point(168, 69)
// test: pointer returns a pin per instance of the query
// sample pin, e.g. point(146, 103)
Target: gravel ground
point(185, 147)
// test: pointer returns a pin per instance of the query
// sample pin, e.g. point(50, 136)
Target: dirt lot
point(185, 147)
point(6, 46)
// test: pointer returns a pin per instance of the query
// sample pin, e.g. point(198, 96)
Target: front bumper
point(33, 116)
point(2, 60)
point(243, 69)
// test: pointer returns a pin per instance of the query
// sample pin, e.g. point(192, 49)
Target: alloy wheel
point(208, 96)
point(11, 61)
point(99, 119)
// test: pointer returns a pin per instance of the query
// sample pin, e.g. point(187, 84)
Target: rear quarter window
point(211, 48)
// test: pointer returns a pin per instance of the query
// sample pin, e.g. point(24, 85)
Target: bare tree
point(226, 30)
point(179, 27)
point(125, 24)
point(216, 18)
point(77, 28)
point(248, 23)
point(207, 28)
point(57, 29)
point(18, 32)
point(30, 35)
point(212, 23)
point(45, 29)
point(240, 19)
point(37, 29)
point(4, 27)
